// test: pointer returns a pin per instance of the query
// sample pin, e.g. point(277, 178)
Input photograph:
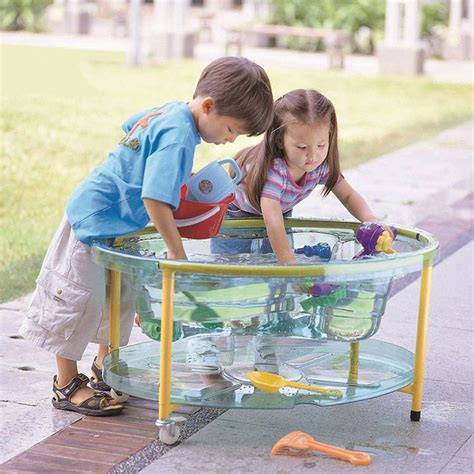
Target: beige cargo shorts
point(69, 307)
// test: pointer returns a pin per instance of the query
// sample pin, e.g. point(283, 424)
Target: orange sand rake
point(298, 443)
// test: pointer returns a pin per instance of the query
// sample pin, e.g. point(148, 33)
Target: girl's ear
point(207, 104)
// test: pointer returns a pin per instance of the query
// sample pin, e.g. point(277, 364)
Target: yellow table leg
point(354, 363)
point(164, 400)
point(421, 332)
point(114, 322)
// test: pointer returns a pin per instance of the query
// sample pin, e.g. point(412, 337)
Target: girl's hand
point(274, 222)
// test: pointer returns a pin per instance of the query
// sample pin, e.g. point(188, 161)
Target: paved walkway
point(442, 442)
point(437, 70)
point(439, 198)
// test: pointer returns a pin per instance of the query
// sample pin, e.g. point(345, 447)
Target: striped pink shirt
point(280, 186)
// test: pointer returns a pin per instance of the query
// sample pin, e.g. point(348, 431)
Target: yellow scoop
point(272, 383)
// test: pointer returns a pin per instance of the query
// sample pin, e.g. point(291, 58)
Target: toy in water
point(321, 250)
point(152, 328)
point(329, 299)
point(375, 238)
point(321, 294)
point(321, 289)
point(298, 443)
point(202, 312)
point(272, 383)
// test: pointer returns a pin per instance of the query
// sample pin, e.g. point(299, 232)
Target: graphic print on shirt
point(133, 143)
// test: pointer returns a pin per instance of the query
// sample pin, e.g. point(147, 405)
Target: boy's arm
point(353, 201)
point(161, 215)
point(273, 217)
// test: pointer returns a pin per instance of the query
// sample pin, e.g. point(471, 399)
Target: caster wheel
point(169, 434)
point(178, 418)
point(119, 396)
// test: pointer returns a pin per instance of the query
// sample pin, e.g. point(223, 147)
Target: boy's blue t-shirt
point(153, 161)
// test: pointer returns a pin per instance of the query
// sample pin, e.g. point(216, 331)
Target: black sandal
point(96, 381)
point(95, 405)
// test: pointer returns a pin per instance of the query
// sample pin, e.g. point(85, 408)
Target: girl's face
point(305, 147)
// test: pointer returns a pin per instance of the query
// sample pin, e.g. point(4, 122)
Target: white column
point(412, 25)
point(402, 52)
point(255, 9)
point(470, 11)
point(455, 15)
point(392, 21)
point(163, 29)
point(76, 17)
point(162, 11)
point(467, 30)
point(171, 37)
point(135, 54)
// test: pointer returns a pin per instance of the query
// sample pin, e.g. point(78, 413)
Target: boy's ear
point(207, 104)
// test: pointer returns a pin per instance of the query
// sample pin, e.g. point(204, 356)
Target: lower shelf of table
point(211, 370)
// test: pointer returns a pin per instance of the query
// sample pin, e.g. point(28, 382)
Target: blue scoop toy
point(321, 250)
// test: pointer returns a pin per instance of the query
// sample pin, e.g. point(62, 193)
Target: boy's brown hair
point(240, 89)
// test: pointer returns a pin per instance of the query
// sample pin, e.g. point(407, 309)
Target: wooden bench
point(334, 40)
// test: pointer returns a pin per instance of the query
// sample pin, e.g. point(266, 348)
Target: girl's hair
point(240, 89)
point(303, 105)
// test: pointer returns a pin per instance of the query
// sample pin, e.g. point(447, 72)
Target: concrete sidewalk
point(429, 184)
point(461, 72)
point(241, 440)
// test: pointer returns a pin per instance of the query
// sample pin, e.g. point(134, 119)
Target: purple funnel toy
point(374, 237)
point(321, 289)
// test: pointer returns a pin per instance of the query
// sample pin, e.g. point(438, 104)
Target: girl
point(299, 152)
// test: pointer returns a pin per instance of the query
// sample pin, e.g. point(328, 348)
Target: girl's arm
point(273, 217)
point(161, 215)
point(353, 201)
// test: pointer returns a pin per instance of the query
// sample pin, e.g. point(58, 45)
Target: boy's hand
point(162, 217)
point(173, 256)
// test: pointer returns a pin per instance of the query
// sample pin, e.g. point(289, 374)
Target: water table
point(229, 314)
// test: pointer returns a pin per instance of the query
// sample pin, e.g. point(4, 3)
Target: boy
point(140, 181)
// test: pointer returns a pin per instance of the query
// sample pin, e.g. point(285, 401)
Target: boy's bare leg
point(101, 353)
point(67, 369)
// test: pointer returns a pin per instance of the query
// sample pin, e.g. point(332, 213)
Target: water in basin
point(270, 305)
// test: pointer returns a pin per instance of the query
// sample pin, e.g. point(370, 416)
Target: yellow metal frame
point(354, 363)
point(170, 267)
point(416, 388)
point(164, 399)
point(114, 323)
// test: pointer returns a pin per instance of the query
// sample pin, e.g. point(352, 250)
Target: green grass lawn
point(61, 112)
